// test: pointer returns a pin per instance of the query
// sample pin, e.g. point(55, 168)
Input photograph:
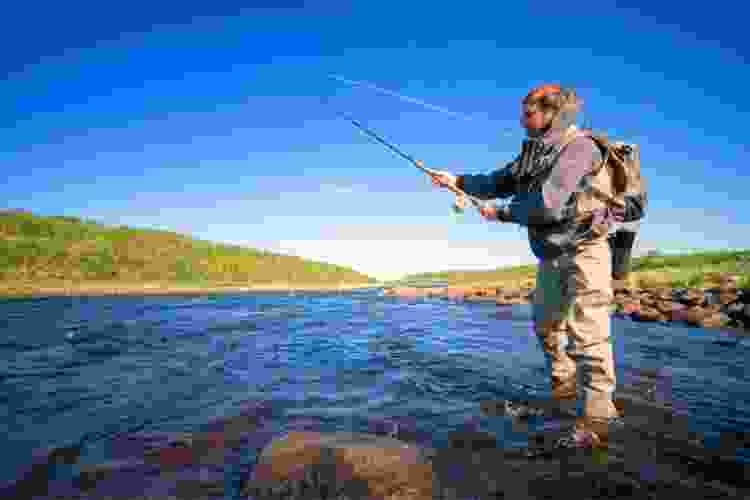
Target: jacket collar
point(558, 135)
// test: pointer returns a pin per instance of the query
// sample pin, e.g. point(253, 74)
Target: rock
point(707, 317)
point(673, 311)
point(649, 314)
point(712, 297)
point(727, 297)
point(746, 311)
point(678, 293)
point(648, 302)
point(457, 292)
point(666, 307)
point(736, 310)
point(693, 297)
point(356, 465)
point(695, 315)
point(630, 308)
point(714, 320)
point(664, 295)
point(473, 440)
point(679, 314)
point(728, 282)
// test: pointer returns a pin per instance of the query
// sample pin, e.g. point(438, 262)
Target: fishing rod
point(417, 163)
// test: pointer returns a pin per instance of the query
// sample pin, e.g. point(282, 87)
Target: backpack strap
point(608, 154)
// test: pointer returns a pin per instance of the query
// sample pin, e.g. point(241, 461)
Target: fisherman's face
point(532, 118)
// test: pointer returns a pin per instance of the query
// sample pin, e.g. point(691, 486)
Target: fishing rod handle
point(433, 173)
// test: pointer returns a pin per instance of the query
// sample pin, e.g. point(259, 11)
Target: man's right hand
point(444, 179)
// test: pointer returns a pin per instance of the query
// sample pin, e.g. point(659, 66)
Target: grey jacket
point(544, 202)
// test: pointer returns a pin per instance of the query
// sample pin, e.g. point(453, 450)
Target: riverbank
point(27, 289)
point(653, 456)
point(722, 306)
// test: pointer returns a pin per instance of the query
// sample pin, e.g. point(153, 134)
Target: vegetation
point(700, 269)
point(40, 249)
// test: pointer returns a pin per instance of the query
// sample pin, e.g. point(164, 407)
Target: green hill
point(59, 249)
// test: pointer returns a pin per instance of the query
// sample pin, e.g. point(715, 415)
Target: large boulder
point(355, 465)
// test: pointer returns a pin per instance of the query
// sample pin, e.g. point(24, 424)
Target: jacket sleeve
point(498, 184)
point(547, 206)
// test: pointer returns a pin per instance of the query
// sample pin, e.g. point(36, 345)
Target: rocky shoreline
point(656, 457)
point(724, 306)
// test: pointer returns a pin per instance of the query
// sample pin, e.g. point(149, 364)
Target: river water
point(75, 368)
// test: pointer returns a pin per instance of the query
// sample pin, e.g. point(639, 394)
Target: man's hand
point(444, 179)
point(489, 213)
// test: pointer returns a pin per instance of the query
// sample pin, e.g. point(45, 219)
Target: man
point(550, 185)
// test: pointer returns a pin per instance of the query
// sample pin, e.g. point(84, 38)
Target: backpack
point(620, 171)
point(628, 188)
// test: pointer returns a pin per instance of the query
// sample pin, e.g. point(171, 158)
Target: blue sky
point(220, 121)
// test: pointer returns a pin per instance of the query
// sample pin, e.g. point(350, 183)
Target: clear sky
point(220, 121)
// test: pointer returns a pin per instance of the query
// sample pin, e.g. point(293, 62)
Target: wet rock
point(667, 307)
point(339, 463)
point(695, 315)
point(727, 297)
point(663, 294)
point(711, 297)
point(648, 314)
point(706, 317)
point(693, 297)
point(714, 320)
point(504, 301)
point(91, 474)
point(457, 292)
point(630, 308)
point(472, 440)
point(680, 314)
point(35, 479)
point(647, 302)
point(406, 429)
point(678, 294)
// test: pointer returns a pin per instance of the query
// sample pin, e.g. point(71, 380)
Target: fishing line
point(402, 97)
point(505, 131)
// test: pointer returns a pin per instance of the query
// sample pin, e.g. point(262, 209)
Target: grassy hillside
point(53, 249)
point(693, 270)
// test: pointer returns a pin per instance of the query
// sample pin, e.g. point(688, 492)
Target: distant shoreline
point(14, 290)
